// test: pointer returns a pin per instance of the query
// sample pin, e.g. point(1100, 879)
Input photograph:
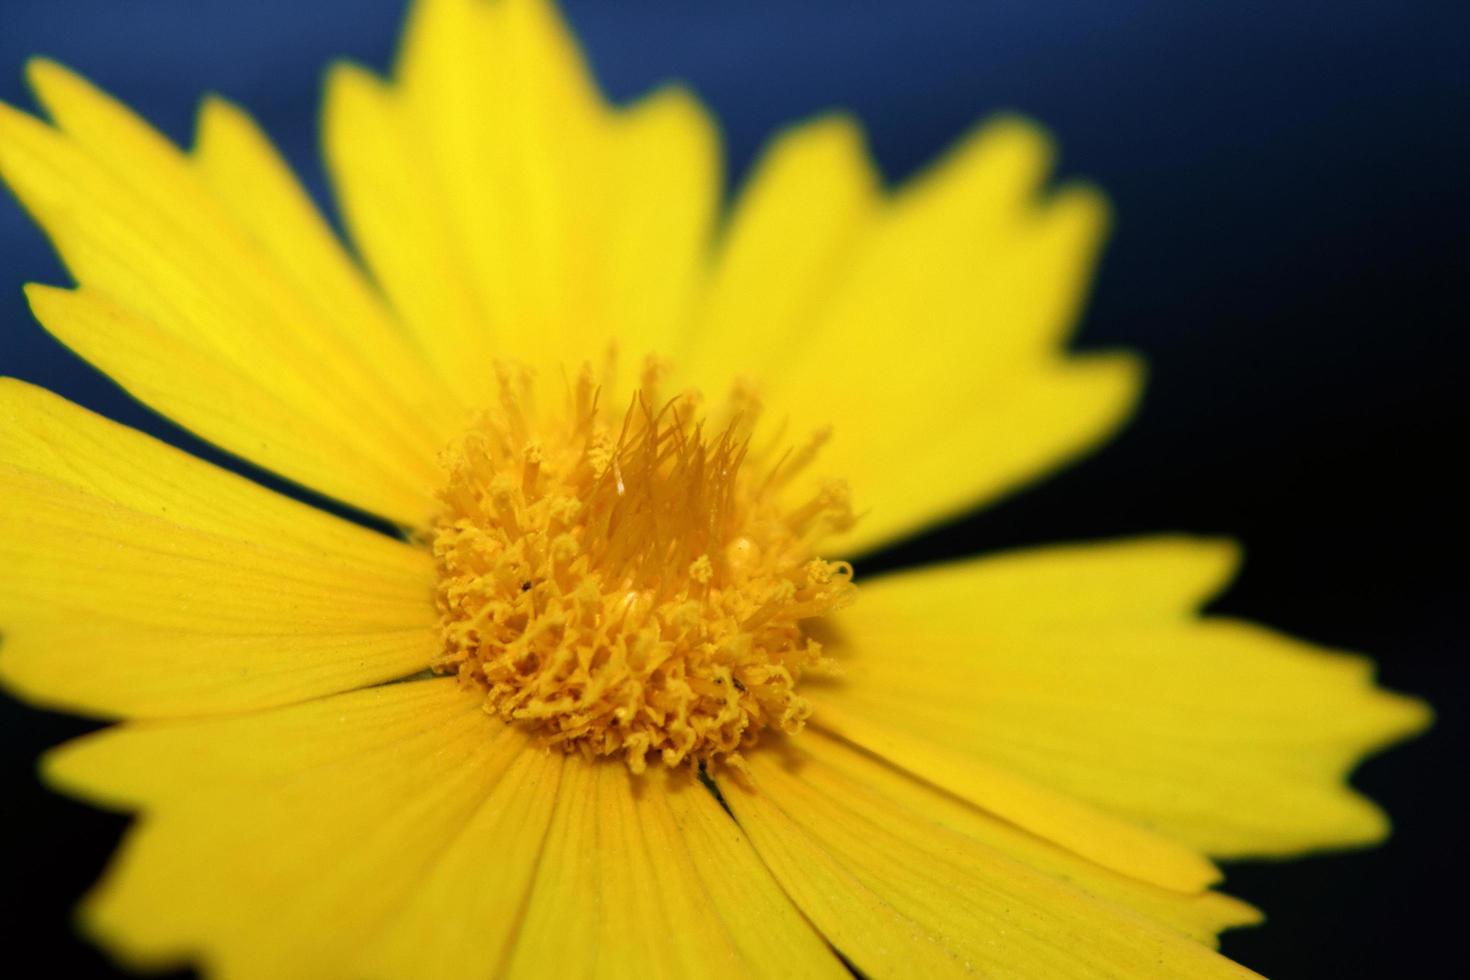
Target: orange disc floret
point(637, 588)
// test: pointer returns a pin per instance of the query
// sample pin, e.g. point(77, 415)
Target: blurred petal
point(142, 581)
point(317, 840)
point(251, 179)
point(400, 224)
point(508, 210)
point(1086, 671)
point(661, 207)
point(793, 231)
point(927, 329)
point(169, 271)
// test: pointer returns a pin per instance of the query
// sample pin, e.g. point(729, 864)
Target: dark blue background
point(1291, 255)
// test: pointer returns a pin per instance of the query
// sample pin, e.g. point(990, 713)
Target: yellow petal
point(399, 220)
point(511, 129)
point(140, 580)
point(926, 329)
point(160, 256)
point(508, 211)
point(901, 893)
point(647, 877)
point(401, 832)
point(1084, 670)
point(460, 919)
point(661, 207)
point(924, 448)
point(839, 769)
point(250, 178)
point(1094, 834)
point(793, 230)
point(316, 840)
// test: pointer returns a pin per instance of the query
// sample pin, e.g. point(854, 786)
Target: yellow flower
point(672, 738)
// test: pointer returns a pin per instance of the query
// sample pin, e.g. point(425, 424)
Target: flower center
point(636, 582)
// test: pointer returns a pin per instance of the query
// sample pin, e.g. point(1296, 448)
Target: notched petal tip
point(1390, 717)
point(1234, 913)
point(353, 99)
point(1117, 378)
point(1416, 715)
point(215, 119)
point(44, 299)
point(1078, 210)
point(1014, 128)
point(684, 118)
point(1400, 717)
point(1005, 153)
point(72, 768)
point(104, 922)
point(346, 71)
point(837, 134)
point(1209, 564)
point(63, 92)
point(1014, 134)
point(1225, 556)
point(49, 79)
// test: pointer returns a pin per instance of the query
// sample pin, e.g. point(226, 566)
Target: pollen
point(635, 583)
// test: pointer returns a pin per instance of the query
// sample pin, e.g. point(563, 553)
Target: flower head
point(627, 444)
point(633, 586)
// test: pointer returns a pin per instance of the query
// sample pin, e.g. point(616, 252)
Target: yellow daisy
point(609, 703)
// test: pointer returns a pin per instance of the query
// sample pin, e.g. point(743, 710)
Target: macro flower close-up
point(517, 622)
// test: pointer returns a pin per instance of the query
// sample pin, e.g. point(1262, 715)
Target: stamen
point(633, 589)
